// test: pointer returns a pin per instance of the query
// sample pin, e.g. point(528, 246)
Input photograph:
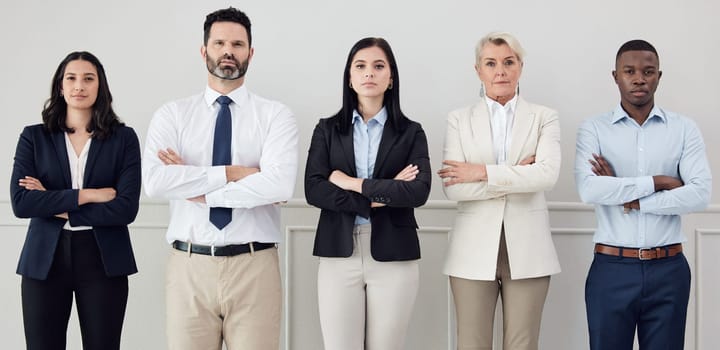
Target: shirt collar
point(619, 113)
point(509, 106)
point(380, 117)
point(239, 95)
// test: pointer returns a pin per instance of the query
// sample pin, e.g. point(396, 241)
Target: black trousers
point(77, 269)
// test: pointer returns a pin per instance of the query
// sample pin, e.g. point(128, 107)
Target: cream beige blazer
point(513, 194)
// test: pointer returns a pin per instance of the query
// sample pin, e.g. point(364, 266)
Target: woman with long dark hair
point(77, 177)
point(367, 168)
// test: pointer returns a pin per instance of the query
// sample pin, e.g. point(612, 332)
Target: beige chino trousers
point(522, 305)
point(235, 299)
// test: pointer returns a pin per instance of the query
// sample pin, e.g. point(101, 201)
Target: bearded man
point(223, 158)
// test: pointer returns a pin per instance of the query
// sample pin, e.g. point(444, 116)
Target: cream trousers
point(365, 304)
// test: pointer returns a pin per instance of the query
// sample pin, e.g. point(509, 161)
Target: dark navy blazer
point(112, 162)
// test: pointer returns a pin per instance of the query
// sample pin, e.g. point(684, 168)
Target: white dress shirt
point(501, 122)
point(264, 136)
point(77, 173)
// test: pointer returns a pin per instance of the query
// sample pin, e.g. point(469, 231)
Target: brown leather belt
point(640, 253)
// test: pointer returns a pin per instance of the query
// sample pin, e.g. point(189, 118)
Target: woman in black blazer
point(367, 168)
point(77, 177)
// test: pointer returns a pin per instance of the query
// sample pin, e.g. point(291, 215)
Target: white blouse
point(501, 124)
point(77, 173)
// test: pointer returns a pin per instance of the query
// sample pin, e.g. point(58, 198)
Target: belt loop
point(189, 244)
point(252, 249)
point(212, 250)
point(620, 250)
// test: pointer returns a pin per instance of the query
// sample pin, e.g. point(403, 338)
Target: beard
point(226, 71)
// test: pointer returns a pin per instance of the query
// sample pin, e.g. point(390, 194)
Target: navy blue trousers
point(77, 270)
point(625, 294)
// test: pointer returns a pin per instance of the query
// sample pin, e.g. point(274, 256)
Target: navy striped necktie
point(220, 217)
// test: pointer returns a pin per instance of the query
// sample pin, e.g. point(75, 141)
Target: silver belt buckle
point(640, 250)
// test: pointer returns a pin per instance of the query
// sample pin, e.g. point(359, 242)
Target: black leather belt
point(228, 250)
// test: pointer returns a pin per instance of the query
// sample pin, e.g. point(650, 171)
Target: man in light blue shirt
point(642, 167)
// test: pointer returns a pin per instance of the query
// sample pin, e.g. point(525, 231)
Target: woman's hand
point(407, 174)
point(31, 183)
point(528, 161)
point(96, 195)
point(346, 182)
point(461, 172)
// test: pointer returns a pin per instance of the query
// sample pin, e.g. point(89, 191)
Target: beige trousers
point(363, 303)
point(235, 299)
point(522, 305)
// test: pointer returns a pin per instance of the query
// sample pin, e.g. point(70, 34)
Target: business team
point(226, 158)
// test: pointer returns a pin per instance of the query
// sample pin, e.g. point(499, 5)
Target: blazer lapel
point(387, 142)
point(93, 153)
point(522, 126)
point(347, 145)
point(62, 155)
point(482, 135)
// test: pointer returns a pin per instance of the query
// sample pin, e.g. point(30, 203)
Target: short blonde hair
point(500, 38)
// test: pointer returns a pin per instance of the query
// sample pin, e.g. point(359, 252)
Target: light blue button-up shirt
point(366, 141)
point(666, 144)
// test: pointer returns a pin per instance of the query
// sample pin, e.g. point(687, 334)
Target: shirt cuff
point(215, 198)
point(645, 186)
point(217, 179)
point(216, 176)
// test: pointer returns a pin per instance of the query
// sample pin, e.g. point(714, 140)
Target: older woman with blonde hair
point(500, 155)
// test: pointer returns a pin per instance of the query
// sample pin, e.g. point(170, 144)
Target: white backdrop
point(150, 50)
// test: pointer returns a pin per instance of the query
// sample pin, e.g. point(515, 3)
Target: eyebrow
point(234, 41)
point(72, 73)
point(492, 59)
point(643, 67)
point(363, 61)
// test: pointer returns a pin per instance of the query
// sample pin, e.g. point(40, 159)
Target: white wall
point(151, 53)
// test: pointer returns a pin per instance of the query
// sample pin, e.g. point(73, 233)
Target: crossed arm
point(461, 172)
point(269, 177)
point(349, 183)
point(85, 195)
point(233, 173)
point(601, 167)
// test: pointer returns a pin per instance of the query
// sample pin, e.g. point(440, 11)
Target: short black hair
point(229, 14)
point(636, 45)
point(103, 121)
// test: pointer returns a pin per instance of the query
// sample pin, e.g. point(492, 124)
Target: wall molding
point(699, 272)
point(431, 204)
point(448, 204)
